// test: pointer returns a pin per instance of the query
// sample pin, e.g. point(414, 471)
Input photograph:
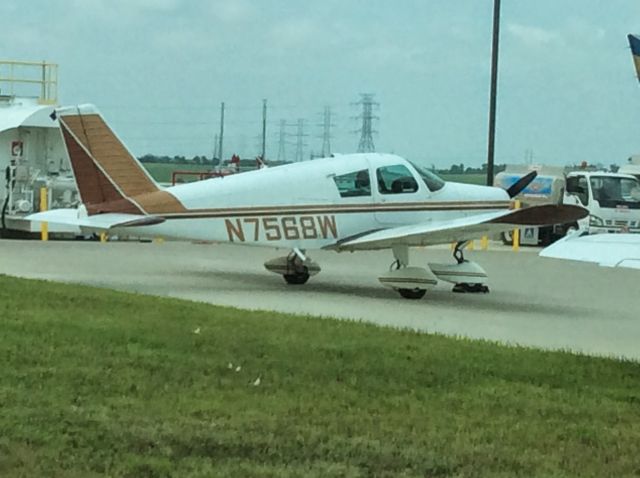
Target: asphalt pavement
point(533, 301)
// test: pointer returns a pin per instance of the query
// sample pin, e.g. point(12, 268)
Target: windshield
point(432, 180)
point(615, 191)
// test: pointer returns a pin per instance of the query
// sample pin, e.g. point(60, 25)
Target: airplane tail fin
point(634, 43)
point(108, 176)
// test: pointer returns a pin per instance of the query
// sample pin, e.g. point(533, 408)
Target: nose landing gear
point(409, 281)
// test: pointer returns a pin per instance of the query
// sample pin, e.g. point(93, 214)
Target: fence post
point(516, 232)
point(44, 227)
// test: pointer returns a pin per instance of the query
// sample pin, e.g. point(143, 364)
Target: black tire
point(570, 228)
point(298, 278)
point(412, 294)
point(545, 236)
point(507, 238)
point(464, 287)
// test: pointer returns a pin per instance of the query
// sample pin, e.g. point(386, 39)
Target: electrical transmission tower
point(366, 131)
point(300, 144)
point(326, 132)
point(282, 156)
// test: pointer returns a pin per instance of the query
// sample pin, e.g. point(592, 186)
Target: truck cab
point(613, 200)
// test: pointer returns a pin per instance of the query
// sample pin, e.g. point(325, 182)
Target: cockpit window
point(396, 179)
point(432, 180)
point(354, 184)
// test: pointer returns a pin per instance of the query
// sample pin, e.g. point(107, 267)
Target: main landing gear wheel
point(413, 294)
point(297, 273)
point(295, 268)
point(298, 277)
point(465, 287)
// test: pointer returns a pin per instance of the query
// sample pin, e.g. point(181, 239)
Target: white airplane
point(350, 203)
point(608, 250)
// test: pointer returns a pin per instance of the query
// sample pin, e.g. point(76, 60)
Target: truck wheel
point(545, 237)
point(507, 238)
point(412, 294)
point(570, 228)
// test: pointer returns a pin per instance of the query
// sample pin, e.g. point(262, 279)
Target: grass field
point(97, 383)
point(161, 172)
point(466, 178)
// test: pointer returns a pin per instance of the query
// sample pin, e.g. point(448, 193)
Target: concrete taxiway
point(533, 301)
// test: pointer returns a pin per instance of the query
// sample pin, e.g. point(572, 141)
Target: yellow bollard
point(516, 232)
point(103, 237)
point(44, 227)
point(484, 243)
point(471, 245)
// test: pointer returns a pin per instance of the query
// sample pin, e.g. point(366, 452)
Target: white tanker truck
point(613, 200)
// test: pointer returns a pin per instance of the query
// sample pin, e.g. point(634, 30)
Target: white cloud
point(127, 6)
point(294, 32)
point(233, 11)
point(533, 36)
point(182, 40)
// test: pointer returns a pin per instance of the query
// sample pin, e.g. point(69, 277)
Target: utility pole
point(264, 130)
point(282, 140)
point(326, 132)
point(494, 91)
point(221, 131)
point(366, 131)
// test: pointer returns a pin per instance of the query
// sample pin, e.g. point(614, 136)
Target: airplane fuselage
point(315, 204)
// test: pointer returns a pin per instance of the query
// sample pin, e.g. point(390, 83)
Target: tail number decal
point(286, 228)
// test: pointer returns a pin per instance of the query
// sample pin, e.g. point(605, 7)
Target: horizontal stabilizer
point(100, 222)
point(463, 229)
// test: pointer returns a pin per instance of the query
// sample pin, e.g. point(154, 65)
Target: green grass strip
point(96, 382)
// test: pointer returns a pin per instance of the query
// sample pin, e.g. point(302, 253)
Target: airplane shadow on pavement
point(441, 296)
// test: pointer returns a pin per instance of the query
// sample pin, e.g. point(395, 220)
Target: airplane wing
point(462, 229)
point(98, 222)
point(609, 250)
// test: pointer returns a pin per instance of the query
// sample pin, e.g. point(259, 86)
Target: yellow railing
point(43, 74)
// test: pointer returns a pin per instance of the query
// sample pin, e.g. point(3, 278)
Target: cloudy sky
point(158, 70)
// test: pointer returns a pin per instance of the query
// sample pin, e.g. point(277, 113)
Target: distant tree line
point(152, 158)
point(204, 161)
point(461, 169)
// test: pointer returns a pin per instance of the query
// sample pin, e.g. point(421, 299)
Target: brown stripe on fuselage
point(403, 206)
point(160, 202)
point(333, 209)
